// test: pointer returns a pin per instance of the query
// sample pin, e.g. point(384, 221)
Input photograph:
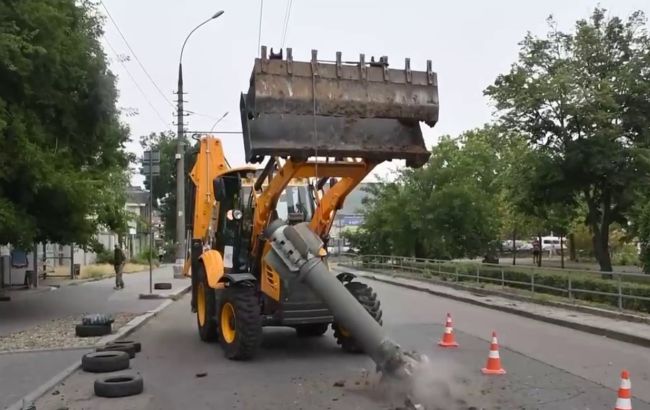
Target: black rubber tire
point(102, 362)
point(97, 319)
point(119, 385)
point(247, 323)
point(121, 347)
point(162, 286)
point(209, 332)
point(137, 345)
point(92, 330)
point(368, 299)
point(312, 330)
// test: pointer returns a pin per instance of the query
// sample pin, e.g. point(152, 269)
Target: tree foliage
point(447, 209)
point(581, 100)
point(62, 160)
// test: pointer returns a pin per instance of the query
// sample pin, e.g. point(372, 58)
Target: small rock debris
point(201, 374)
point(339, 383)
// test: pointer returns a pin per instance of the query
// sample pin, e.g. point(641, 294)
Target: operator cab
point(234, 216)
point(296, 204)
point(229, 223)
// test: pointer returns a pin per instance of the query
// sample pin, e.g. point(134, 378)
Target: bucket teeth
point(338, 108)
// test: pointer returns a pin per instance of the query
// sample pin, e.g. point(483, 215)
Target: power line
point(259, 29)
point(287, 16)
point(162, 94)
point(136, 83)
point(212, 117)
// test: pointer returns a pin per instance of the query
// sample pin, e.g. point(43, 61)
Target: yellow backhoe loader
point(259, 233)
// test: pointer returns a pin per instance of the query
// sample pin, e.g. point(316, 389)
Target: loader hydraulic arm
point(266, 201)
point(210, 163)
point(333, 198)
point(350, 172)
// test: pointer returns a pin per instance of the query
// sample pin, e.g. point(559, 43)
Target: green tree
point(581, 100)
point(62, 162)
point(447, 209)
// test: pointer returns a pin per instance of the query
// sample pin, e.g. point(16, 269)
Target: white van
point(552, 243)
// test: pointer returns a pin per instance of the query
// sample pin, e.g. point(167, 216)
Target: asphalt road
point(549, 367)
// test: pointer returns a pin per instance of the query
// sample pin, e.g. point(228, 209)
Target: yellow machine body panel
point(214, 269)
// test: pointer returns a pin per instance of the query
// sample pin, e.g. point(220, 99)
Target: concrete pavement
point(20, 373)
point(549, 367)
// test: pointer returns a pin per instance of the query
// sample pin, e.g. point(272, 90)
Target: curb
point(612, 334)
point(173, 295)
point(77, 282)
point(125, 330)
point(47, 349)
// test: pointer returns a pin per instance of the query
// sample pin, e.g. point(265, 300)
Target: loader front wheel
point(205, 308)
point(368, 299)
point(240, 323)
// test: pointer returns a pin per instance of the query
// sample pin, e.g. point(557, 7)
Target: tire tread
point(369, 300)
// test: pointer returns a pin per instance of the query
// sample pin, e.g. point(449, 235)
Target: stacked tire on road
point(114, 357)
point(131, 348)
point(104, 362)
point(120, 385)
point(94, 325)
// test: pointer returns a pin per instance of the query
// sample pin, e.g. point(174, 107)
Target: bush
point(143, 257)
point(105, 256)
point(627, 255)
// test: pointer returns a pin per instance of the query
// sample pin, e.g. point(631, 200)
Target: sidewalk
point(20, 373)
point(615, 328)
point(30, 308)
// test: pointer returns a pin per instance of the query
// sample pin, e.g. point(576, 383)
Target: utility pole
point(151, 167)
point(180, 174)
point(151, 224)
point(180, 160)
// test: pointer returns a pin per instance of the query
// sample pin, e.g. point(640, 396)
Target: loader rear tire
point(368, 299)
point(312, 330)
point(206, 308)
point(240, 323)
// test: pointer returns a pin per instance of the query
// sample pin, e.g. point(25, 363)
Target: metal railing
point(622, 290)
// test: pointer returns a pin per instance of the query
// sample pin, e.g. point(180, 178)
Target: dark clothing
point(118, 257)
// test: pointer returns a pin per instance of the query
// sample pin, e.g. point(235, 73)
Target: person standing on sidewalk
point(119, 259)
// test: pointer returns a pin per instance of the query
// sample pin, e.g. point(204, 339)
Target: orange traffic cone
point(493, 365)
point(624, 401)
point(448, 339)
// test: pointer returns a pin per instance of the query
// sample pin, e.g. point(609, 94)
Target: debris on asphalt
point(202, 374)
point(339, 383)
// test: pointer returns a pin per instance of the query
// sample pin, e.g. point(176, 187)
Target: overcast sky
point(469, 42)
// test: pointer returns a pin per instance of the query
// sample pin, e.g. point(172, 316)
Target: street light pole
point(180, 157)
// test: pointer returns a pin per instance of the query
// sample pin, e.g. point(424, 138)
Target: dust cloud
point(437, 384)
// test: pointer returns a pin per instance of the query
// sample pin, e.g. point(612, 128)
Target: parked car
point(519, 245)
point(526, 246)
point(552, 243)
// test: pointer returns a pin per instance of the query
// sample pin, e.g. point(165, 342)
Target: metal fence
point(622, 290)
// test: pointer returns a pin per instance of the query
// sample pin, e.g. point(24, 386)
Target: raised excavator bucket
point(337, 109)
